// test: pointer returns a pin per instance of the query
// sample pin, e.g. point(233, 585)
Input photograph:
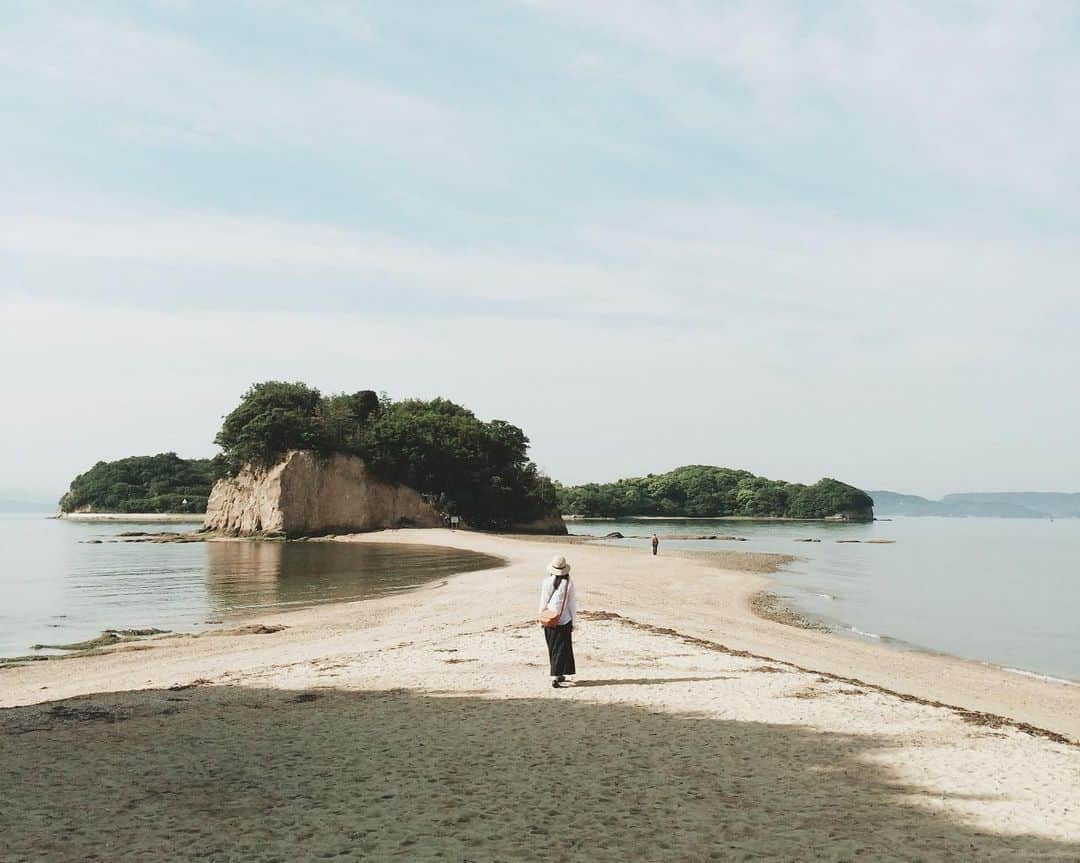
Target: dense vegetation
point(149, 483)
point(478, 470)
point(703, 491)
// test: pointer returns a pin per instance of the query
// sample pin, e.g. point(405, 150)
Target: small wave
point(873, 635)
point(1047, 677)
point(825, 595)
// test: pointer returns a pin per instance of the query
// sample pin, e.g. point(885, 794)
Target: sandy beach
point(422, 726)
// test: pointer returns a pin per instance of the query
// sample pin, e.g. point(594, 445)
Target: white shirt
point(554, 601)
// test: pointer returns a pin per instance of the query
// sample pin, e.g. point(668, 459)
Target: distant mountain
point(1055, 504)
point(894, 503)
point(977, 504)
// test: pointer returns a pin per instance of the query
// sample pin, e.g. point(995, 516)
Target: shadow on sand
point(228, 773)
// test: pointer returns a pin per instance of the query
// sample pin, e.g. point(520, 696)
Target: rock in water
point(304, 495)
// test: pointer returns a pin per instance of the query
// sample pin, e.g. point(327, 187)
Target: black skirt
point(560, 643)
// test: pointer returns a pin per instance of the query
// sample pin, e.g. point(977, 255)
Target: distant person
point(558, 609)
point(655, 544)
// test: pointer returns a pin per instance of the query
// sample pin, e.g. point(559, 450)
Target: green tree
point(155, 483)
point(479, 470)
point(704, 491)
point(271, 419)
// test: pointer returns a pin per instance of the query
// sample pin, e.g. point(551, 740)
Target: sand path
point(421, 726)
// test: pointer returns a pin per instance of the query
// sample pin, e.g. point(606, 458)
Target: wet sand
point(422, 726)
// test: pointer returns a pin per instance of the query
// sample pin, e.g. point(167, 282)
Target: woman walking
point(557, 613)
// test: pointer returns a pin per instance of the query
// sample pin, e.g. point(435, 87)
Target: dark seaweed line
point(974, 717)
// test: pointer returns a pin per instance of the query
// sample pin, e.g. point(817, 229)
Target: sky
point(802, 238)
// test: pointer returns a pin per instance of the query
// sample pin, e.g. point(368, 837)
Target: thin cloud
point(805, 239)
point(166, 87)
point(669, 264)
point(200, 240)
point(981, 93)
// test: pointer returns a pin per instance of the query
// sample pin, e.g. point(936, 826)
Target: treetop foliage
point(479, 470)
point(704, 491)
point(149, 483)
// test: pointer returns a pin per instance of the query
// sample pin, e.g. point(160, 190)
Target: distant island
point(705, 491)
point(1019, 504)
point(162, 483)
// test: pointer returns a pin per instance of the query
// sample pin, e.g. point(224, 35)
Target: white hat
point(559, 566)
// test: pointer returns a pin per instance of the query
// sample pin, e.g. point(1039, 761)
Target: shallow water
point(1005, 591)
point(57, 586)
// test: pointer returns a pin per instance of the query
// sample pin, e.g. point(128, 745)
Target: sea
point(995, 590)
point(62, 582)
point(1000, 591)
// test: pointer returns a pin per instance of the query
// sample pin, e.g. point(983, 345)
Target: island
point(706, 491)
point(295, 462)
point(158, 484)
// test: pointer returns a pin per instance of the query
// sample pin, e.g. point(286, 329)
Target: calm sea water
point(1005, 591)
point(58, 587)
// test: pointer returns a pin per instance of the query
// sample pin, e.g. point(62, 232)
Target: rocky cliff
point(304, 495)
point(552, 523)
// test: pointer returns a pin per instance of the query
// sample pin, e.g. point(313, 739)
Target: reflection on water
point(241, 576)
point(62, 582)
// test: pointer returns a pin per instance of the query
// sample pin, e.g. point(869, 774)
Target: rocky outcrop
point(552, 523)
point(304, 495)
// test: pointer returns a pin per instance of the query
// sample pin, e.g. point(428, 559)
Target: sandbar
point(421, 726)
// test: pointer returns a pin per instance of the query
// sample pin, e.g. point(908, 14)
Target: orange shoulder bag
point(550, 619)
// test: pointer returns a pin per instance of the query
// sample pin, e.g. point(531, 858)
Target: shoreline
point(763, 603)
point(130, 517)
point(780, 518)
point(748, 735)
point(740, 604)
point(771, 604)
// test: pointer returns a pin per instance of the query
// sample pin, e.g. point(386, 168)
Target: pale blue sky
point(802, 238)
